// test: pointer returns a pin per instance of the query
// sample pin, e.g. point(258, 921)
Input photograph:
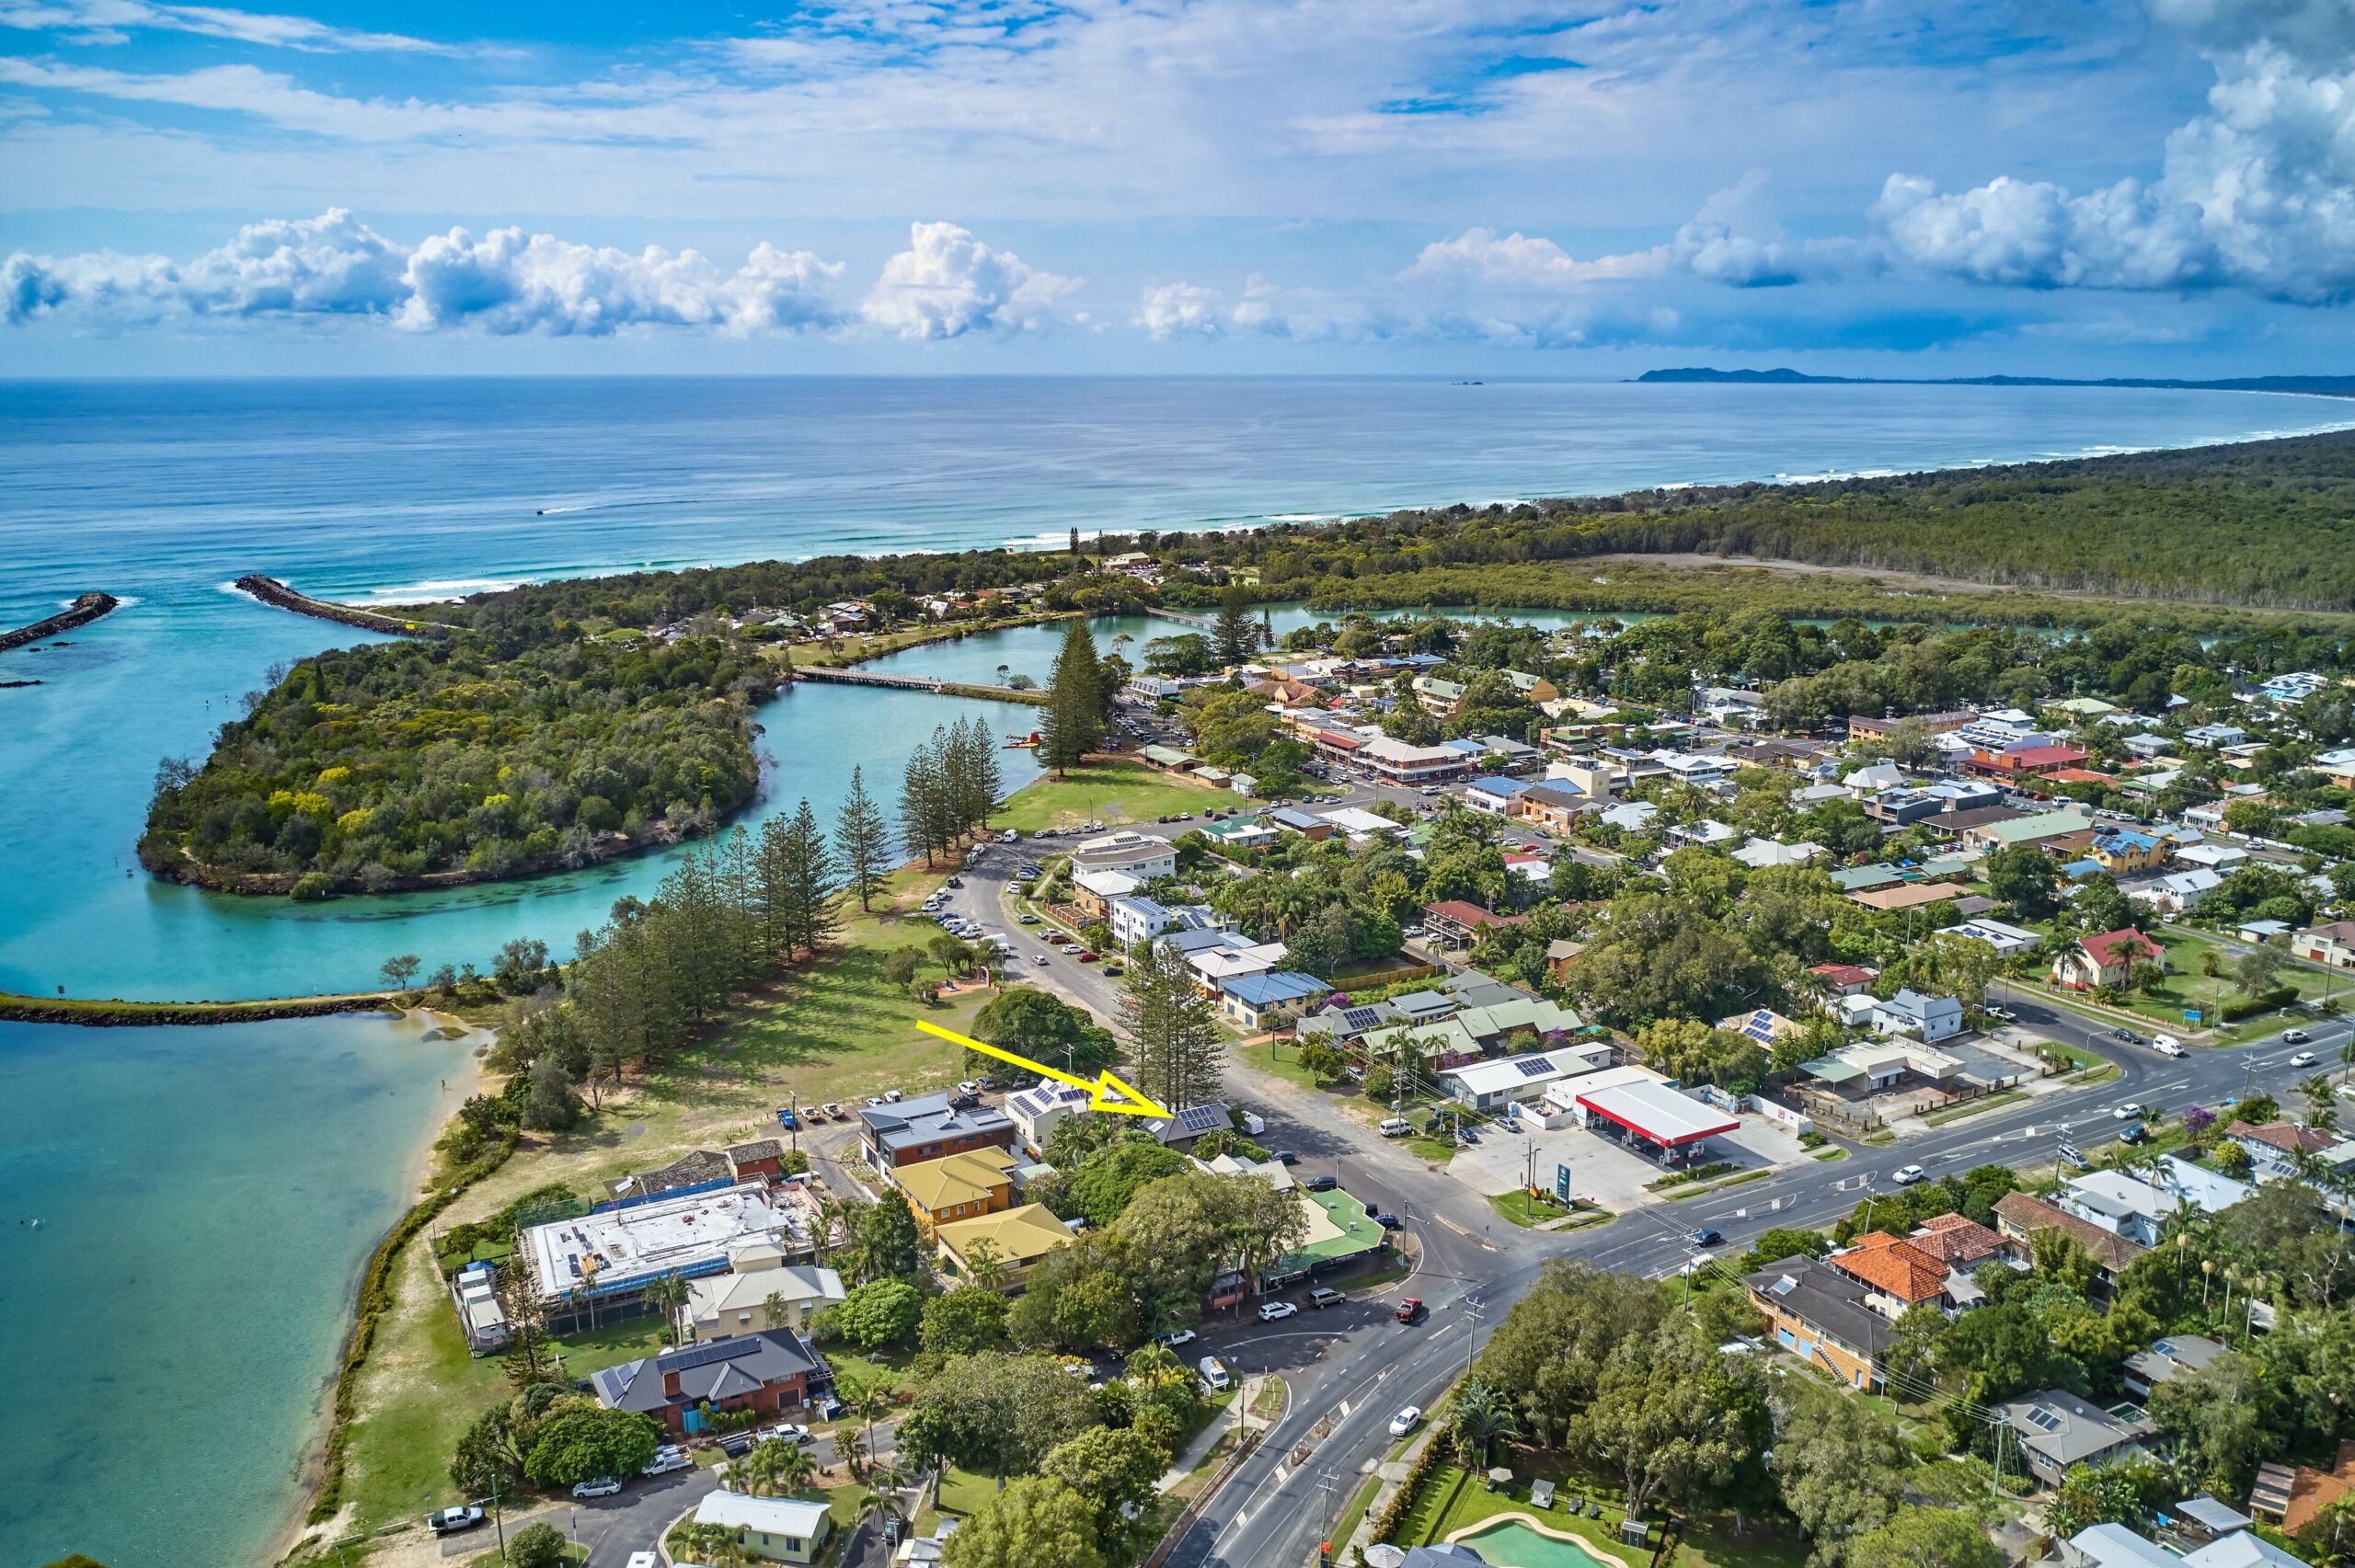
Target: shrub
point(2264, 1001)
point(536, 1546)
point(312, 886)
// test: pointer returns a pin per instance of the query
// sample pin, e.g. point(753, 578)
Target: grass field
point(1974, 1107)
point(1524, 1211)
point(834, 1031)
point(1108, 793)
point(2187, 988)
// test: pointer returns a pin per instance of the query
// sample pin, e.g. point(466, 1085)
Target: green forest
point(395, 763)
point(2265, 524)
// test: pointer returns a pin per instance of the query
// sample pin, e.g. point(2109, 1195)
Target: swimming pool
point(1511, 1544)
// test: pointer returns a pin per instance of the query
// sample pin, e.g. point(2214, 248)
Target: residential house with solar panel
point(1270, 999)
point(770, 1371)
point(1180, 1130)
point(1037, 1111)
point(2056, 1430)
point(928, 1128)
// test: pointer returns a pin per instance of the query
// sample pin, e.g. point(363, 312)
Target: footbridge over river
point(932, 683)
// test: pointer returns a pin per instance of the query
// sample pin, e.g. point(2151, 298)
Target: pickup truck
point(449, 1521)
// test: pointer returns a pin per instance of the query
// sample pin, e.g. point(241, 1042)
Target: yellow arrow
point(1133, 1101)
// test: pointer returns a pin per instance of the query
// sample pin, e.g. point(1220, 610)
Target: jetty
point(932, 683)
point(81, 612)
point(272, 591)
point(1199, 623)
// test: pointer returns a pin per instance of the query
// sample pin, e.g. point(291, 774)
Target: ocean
point(206, 1194)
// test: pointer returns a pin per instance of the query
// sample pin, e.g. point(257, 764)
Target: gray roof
point(2217, 1516)
point(927, 1118)
point(714, 1370)
point(2174, 1356)
point(2064, 1429)
point(1821, 1296)
point(1191, 1123)
point(689, 1169)
point(1473, 988)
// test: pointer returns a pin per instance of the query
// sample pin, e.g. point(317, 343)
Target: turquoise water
point(206, 1197)
point(1515, 1545)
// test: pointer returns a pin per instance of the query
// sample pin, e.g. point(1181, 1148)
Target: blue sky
point(1896, 187)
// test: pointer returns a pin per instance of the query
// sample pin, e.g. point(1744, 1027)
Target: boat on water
point(1022, 743)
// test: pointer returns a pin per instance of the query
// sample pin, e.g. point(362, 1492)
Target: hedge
point(2264, 1001)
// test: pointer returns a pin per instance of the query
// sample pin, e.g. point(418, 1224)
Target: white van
point(2167, 1045)
point(1214, 1372)
point(1396, 1127)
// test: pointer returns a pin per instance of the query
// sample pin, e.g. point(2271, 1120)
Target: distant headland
point(2311, 385)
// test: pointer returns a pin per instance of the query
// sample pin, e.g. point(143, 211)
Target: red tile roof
point(1894, 1267)
point(2287, 1136)
point(2023, 1215)
point(1842, 974)
point(1962, 1242)
point(2102, 949)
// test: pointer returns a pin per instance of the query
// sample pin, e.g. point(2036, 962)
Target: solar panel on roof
point(1362, 1017)
point(2043, 1420)
point(1199, 1119)
point(1784, 1285)
point(696, 1355)
point(1534, 1067)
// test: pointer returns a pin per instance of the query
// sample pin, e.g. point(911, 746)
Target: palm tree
point(834, 1214)
point(2320, 1110)
point(870, 1401)
point(669, 1292)
point(1155, 1368)
point(776, 1469)
point(1479, 1419)
point(986, 1265)
point(710, 1544)
point(885, 1482)
point(854, 1448)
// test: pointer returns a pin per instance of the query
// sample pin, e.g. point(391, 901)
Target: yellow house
point(773, 1529)
point(958, 1186)
point(2122, 852)
point(1015, 1239)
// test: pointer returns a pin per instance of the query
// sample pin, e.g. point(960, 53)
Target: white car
point(2130, 1111)
point(2295, 1036)
point(1177, 1337)
point(792, 1432)
point(603, 1487)
point(968, 1086)
point(449, 1521)
point(1276, 1312)
point(667, 1460)
point(1906, 1176)
point(2167, 1045)
point(1039, 959)
point(2303, 1058)
point(1405, 1421)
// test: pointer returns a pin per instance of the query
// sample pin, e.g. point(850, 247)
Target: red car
point(1087, 956)
point(1410, 1309)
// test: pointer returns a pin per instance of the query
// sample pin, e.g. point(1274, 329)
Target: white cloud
point(1518, 261)
point(1181, 309)
point(111, 21)
point(947, 283)
point(508, 281)
point(2257, 193)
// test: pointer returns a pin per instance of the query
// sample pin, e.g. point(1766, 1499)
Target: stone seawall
point(84, 610)
point(272, 591)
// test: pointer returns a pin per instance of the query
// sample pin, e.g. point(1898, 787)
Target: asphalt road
point(1356, 1366)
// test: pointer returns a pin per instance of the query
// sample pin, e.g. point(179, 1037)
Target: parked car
point(1389, 1221)
point(736, 1445)
point(1906, 1176)
point(1086, 956)
point(1395, 1127)
point(2129, 1035)
point(1285, 1157)
point(892, 1096)
point(1322, 1183)
point(667, 1458)
point(1325, 1295)
point(603, 1487)
point(2004, 1013)
point(1213, 1372)
point(449, 1521)
point(1116, 970)
point(1405, 1421)
point(794, 1432)
point(956, 882)
point(1026, 918)
point(969, 1087)
point(834, 1108)
point(1176, 1337)
point(2137, 1134)
point(1276, 1312)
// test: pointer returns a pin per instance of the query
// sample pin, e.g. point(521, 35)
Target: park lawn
point(2187, 988)
point(611, 1344)
point(1109, 792)
point(1279, 1058)
point(832, 1030)
point(889, 1370)
point(1524, 1211)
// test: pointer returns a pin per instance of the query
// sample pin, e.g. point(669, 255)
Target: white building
point(2006, 939)
point(1760, 853)
point(1036, 1112)
point(1139, 855)
point(1931, 1018)
point(724, 1305)
point(617, 1252)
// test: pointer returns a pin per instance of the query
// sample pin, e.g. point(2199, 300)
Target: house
point(1013, 1241)
point(2115, 1546)
point(2056, 1430)
point(1873, 779)
point(767, 1371)
point(1213, 966)
point(927, 1127)
point(1819, 1313)
point(1307, 824)
point(2008, 941)
point(2298, 1497)
point(2103, 960)
point(2333, 944)
point(2122, 852)
point(1269, 1000)
point(1960, 1242)
point(1139, 855)
point(1095, 892)
point(1180, 1130)
point(2209, 856)
point(698, 1170)
point(1135, 919)
point(1865, 878)
point(1036, 1112)
point(2019, 1217)
point(1595, 779)
point(1561, 955)
point(1909, 895)
point(773, 1529)
point(2167, 1359)
point(1631, 816)
point(957, 1187)
point(1453, 921)
point(2119, 1204)
point(1360, 825)
point(722, 1306)
point(1896, 1273)
point(1880, 1065)
point(2215, 737)
point(1490, 1085)
point(1760, 853)
point(1239, 833)
point(1493, 795)
point(2025, 761)
point(1842, 979)
point(1396, 763)
point(1923, 1017)
point(1877, 730)
point(1550, 806)
point(1762, 1025)
point(2274, 1148)
point(2177, 892)
point(1438, 697)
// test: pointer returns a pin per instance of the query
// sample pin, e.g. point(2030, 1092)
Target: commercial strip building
point(613, 1254)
